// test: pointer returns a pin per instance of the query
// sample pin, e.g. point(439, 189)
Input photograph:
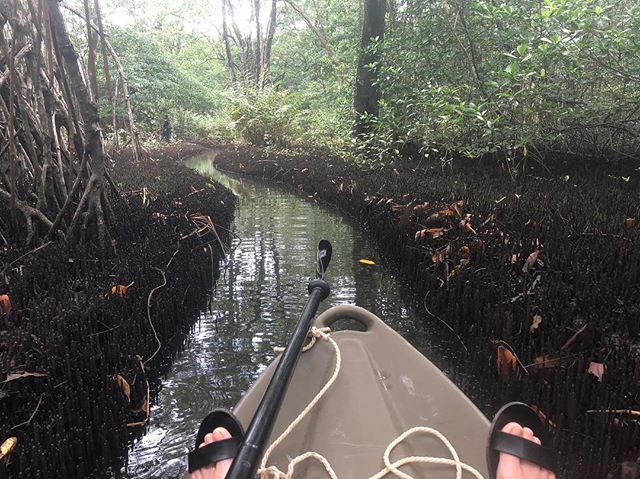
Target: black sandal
point(499, 441)
point(216, 451)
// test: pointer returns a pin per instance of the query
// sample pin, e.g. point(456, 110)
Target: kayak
point(384, 388)
point(350, 398)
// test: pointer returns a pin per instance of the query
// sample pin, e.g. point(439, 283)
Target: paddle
point(246, 461)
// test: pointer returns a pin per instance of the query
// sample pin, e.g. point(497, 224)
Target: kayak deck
point(384, 388)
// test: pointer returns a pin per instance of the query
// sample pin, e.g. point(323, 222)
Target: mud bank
point(87, 338)
point(538, 280)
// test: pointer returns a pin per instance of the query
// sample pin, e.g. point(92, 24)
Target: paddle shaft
point(246, 461)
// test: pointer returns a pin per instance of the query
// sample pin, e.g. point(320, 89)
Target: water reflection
point(258, 302)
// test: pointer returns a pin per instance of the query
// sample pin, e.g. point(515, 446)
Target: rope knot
point(321, 333)
point(314, 334)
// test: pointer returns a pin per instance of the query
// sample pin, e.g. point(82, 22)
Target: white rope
point(272, 472)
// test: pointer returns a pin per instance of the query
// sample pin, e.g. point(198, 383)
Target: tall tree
point(367, 92)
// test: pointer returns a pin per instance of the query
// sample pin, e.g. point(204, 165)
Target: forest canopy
point(510, 79)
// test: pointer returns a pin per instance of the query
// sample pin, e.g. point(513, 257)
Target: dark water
point(256, 305)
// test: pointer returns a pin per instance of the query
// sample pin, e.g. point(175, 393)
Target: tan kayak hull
point(384, 388)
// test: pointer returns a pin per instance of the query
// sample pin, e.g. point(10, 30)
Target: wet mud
point(85, 338)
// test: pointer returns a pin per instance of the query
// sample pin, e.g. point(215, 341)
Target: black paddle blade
point(324, 257)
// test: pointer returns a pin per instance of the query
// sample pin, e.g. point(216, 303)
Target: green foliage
point(184, 84)
point(514, 79)
point(264, 117)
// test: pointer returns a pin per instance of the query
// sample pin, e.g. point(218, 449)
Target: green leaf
point(522, 49)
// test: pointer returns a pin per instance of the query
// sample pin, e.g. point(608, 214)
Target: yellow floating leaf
point(367, 261)
point(8, 446)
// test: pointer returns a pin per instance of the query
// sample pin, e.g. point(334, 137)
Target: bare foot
point(511, 467)
point(220, 469)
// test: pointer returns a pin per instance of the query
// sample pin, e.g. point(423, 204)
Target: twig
point(25, 255)
point(32, 415)
point(424, 302)
point(164, 283)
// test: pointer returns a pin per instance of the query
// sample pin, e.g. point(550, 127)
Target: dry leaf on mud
point(21, 375)
point(7, 447)
point(597, 369)
point(537, 319)
point(5, 304)
point(120, 289)
point(421, 208)
point(507, 363)
point(433, 233)
point(629, 470)
point(398, 208)
point(470, 229)
point(124, 386)
point(441, 254)
point(531, 260)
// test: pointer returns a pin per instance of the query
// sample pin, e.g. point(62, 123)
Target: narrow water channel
point(256, 305)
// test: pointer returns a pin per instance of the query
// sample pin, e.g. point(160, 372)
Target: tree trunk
point(94, 145)
point(91, 54)
point(227, 47)
point(367, 92)
point(258, 51)
point(268, 43)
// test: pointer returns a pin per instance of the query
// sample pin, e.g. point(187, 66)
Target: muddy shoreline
point(86, 342)
point(539, 280)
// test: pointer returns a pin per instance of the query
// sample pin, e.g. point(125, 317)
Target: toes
point(527, 433)
point(513, 428)
point(220, 434)
point(536, 440)
point(209, 438)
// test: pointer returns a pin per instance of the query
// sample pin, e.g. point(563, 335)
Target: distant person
point(166, 129)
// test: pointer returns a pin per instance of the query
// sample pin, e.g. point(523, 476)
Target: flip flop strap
point(524, 449)
point(216, 451)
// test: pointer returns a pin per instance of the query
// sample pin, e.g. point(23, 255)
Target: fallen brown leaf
point(531, 260)
point(21, 375)
point(597, 369)
point(124, 386)
point(433, 233)
point(7, 447)
point(441, 255)
point(507, 363)
point(421, 208)
point(537, 319)
point(5, 304)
